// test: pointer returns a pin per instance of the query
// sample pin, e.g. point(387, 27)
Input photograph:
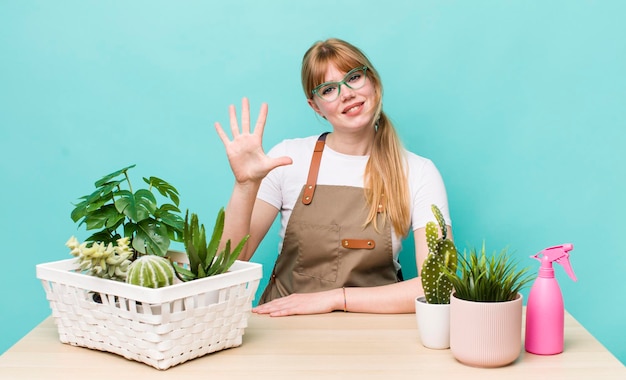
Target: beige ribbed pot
point(486, 334)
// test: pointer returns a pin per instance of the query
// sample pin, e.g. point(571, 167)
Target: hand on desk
point(306, 303)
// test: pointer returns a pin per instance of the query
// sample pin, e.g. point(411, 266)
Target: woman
point(346, 198)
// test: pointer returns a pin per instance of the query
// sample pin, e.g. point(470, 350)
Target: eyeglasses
point(354, 79)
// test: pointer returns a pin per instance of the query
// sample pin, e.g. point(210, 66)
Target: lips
point(352, 108)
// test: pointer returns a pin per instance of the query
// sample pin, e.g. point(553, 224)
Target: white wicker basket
point(160, 327)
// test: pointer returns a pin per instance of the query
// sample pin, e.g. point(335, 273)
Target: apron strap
point(309, 189)
point(311, 182)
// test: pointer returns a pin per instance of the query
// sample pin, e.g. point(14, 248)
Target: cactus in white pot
point(433, 309)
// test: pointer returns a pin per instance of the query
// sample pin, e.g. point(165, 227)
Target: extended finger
point(220, 132)
point(234, 128)
point(245, 115)
point(260, 121)
point(272, 306)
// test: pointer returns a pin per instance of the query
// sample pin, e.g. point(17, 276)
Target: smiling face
point(353, 110)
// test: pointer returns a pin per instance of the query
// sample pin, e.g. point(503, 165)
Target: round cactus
point(151, 271)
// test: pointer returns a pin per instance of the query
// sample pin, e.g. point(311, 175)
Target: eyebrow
point(342, 78)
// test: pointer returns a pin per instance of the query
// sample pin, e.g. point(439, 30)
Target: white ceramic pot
point(433, 323)
point(486, 334)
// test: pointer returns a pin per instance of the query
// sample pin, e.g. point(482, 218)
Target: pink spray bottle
point(544, 309)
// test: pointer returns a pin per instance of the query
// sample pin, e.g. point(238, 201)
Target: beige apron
point(326, 245)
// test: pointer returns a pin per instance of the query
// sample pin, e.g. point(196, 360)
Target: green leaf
point(106, 190)
point(109, 177)
point(79, 211)
point(172, 221)
point(167, 207)
point(103, 236)
point(138, 206)
point(97, 203)
point(174, 234)
point(183, 274)
point(99, 218)
point(130, 229)
point(201, 272)
point(190, 232)
point(204, 259)
point(169, 218)
point(114, 221)
point(218, 229)
point(220, 260)
point(151, 238)
point(227, 258)
point(163, 188)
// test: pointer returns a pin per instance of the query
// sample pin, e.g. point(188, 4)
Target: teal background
point(521, 104)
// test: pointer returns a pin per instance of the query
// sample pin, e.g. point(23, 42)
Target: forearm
point(387, 299)
point(239, 215)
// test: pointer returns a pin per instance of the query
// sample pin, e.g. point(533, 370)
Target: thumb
point(281, 161)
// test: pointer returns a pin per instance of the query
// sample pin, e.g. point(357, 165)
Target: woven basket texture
point(193, 319)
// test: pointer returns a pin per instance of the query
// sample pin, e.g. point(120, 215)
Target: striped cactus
point(441, 253)
point(151, 271)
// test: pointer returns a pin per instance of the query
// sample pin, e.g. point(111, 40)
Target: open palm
point(247, 159)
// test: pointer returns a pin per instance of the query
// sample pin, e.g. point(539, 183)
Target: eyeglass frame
point(339, 83)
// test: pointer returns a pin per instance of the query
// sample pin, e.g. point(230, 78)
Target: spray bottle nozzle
point(558, 253)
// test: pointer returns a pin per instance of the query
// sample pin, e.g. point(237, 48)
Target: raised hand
point(247, 159)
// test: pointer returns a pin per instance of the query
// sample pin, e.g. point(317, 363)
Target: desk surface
point(336, 345)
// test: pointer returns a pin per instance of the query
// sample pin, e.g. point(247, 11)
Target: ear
point(313, 105)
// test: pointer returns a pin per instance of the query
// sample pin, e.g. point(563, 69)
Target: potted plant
point(95, 298)
point(115, 211)
point(205, 260)
point(486, 309)
point(433, 309)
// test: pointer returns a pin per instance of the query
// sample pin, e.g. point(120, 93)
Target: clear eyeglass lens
point(355, 79)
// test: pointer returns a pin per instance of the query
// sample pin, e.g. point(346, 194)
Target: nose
point(346, 92)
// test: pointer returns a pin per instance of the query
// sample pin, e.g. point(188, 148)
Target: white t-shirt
point(282, 185)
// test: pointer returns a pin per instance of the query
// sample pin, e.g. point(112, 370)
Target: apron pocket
point(318, 250)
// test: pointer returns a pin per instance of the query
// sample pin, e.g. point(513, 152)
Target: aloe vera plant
point(488, 279)
point(204, 259)
point(442, 253)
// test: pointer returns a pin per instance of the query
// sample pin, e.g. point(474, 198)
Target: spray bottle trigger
point(564, 261)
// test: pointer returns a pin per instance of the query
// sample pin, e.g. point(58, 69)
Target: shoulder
point(289, 147)
point(419, 166)
point(300, 150)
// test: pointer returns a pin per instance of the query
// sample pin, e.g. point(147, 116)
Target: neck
point(353, 144)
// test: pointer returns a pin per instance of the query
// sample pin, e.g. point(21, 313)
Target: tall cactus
point(441, 253)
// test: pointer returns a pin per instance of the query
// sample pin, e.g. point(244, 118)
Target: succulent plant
point(488, 279)
point(442, 253)
point(205, 260)
point(151, 271)
point(105, 261)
